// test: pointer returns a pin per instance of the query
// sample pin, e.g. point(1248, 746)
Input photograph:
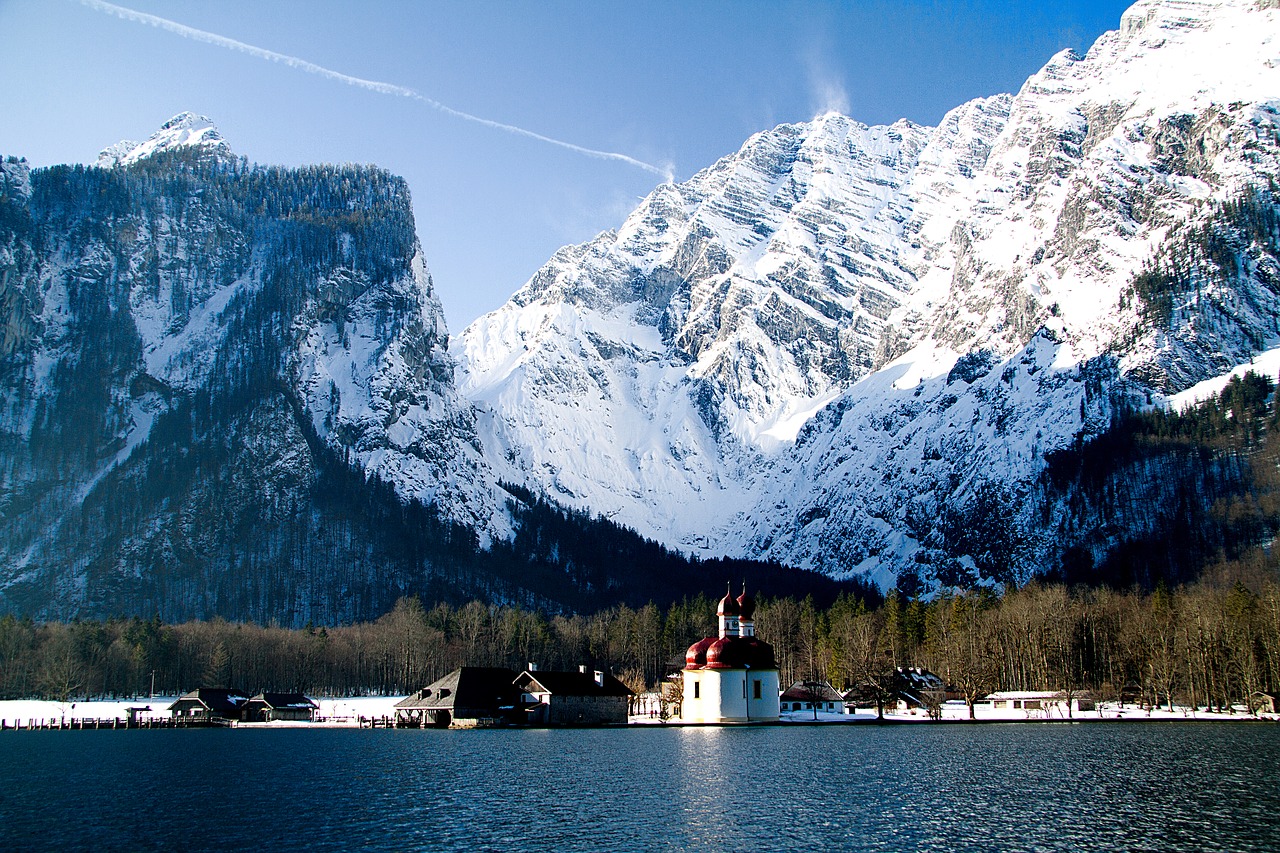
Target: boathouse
point(1040, 702)
point(465, 698)
point(209, 704)
point(268, 707)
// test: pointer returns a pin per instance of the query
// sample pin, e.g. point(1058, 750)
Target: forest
point(1208, 644)
point(1190, 617)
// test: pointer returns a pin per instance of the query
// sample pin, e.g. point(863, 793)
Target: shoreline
point(363, 711)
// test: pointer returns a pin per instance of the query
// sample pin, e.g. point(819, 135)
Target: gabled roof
point(570, 684)
point(215, 699)
point(811, 691)
point(466, 687)
point(276, 701)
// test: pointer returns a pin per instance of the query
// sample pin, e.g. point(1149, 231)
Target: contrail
point(372, 85)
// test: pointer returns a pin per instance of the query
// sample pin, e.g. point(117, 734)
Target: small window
point(697, 690)
point(755, 689)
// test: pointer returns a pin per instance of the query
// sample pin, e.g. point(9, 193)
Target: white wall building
point(731, 678)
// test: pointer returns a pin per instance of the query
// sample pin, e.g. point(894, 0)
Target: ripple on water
point(992, 787)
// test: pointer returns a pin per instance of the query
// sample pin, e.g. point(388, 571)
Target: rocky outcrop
point(762, 360)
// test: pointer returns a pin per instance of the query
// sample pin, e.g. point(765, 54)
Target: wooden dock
point(87, 724)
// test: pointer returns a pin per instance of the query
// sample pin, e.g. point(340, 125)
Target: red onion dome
point(728, 605)
point(740, 653)
point(724, 654)
point(746, 605)
point(696, 657)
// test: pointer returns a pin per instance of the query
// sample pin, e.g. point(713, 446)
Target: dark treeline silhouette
point(1210, 644)
point(1164, 494)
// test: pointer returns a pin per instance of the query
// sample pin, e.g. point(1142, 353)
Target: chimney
point(582, 668)
point(533, 667)
point(599, 678)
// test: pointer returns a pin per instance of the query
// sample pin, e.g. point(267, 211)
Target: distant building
point(467, 697)
point(1033, 702)
point(916, 687)
point(804, 695)
point(579, 698)
point(268, 707)
point(1264, 702)
point(209, 704)
point(731, 678)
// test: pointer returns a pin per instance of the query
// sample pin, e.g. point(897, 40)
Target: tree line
point(1208, 644)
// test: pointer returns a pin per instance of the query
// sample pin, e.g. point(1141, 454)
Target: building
point(731, 678)
point(269, 707)
point(468, 697)
point(209, 704)
point(812, 696)
point(1040, 702)
point(915, 687)
point(1264, 702)
point(579, 698)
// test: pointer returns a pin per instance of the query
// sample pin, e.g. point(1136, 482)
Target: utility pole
point(153, 684)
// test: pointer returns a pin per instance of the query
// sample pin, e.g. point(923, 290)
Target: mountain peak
point(185, 130)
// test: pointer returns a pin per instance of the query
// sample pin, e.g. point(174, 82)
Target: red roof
point(740, 653)
point(696, 657)
point(728, 606)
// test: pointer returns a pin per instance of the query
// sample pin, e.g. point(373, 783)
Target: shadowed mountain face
point(189, 341)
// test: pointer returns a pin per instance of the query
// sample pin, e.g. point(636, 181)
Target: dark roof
point(467, 687)
point(911, 683)
point(811, 691)
point(570, 684)
point(216, 699)
point(283, 700)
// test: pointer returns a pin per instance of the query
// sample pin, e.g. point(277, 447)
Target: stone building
point(579, 698)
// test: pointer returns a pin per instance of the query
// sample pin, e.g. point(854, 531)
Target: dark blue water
point(926, 787)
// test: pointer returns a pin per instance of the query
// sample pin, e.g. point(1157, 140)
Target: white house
point(1042, 703)
point(731, 678)
point(812, 695)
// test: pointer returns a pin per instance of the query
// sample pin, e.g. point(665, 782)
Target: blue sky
point(673, 84)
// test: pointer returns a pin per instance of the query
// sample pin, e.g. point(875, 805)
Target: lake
point(1130, 786)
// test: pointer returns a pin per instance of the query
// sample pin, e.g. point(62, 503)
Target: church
point(731, 678)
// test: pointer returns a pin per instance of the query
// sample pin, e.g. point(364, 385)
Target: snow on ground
point(1265, 364)
point(958, 712)
point(339, 711)
point(345, 712)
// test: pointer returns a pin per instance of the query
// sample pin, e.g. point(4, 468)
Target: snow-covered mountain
point(185, 130)
point(189, 342)
point(847, 347)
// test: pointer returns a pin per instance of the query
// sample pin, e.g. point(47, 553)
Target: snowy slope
point(185, 130)
point(190, 343)
point(763, 360)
